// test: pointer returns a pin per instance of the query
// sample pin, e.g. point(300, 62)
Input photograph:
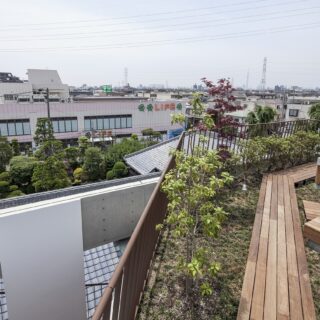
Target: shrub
point(16, 193)
point(4, 188)
point(78, 175)
point(110, 175)
point(13, 188)
point(21, 170)
point(49, 175)
point(5, 176)
point(120, 169)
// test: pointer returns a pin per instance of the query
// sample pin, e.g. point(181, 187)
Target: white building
point(23, 103)
point(15, 90)
point(298, 107)
point(117, 116)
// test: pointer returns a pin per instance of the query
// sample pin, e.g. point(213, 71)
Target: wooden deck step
point(311, 230)
point(311, 209)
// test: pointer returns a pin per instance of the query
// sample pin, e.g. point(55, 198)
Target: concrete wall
point(41, 247)
point(42, 262)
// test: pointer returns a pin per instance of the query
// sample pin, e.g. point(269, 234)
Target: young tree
point(314, 112)
point(50, 148)
point(84, 144)
point(261, 115)
point(5, 153)
point(93, 162)
point(15, 147)
point(44, 131)
point(191, 188)
point(72, 155)
point(223, 102)
point(49, 175)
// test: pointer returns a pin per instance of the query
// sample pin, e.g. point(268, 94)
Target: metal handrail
point(120, 300)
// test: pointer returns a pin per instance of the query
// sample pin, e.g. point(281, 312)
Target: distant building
point(12, 89)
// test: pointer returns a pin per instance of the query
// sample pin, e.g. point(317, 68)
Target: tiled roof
point(154, 158)
point(99, 264)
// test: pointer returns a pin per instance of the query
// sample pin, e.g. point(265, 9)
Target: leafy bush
point(78, 175)
point(4, 188)
point(5, 176)
point(21, 170)
point(49, 175)
point(13, 188)
point(16, 193)
point(110, 175)
point(120, 169)
point(263, 154)
point(93, 163)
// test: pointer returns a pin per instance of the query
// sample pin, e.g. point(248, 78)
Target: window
point(10, 97)
point(15, 127)
point(123, 122)
point(118, 122)
point(61, 125)
point(108, 122)
point(100, 124)
point(293, 112)
point(129, 122)
point(87, 124)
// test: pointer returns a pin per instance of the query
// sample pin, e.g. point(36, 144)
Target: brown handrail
point(121, 297)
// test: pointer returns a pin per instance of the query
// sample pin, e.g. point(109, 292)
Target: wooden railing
point(121, 297)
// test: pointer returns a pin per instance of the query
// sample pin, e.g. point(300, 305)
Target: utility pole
point(48, 103)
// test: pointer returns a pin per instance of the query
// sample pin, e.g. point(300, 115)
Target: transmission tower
point(247, 82)
point(125, 76)
point(264, 74)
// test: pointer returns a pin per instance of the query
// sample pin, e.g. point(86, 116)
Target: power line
point(161, 30)
point(170, 18)
point(137, 16)
point(178, 40)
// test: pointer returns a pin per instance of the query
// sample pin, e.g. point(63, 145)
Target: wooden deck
point(311, 209)
point(276, 282)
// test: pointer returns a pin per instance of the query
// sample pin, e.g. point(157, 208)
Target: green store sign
point(160, 107)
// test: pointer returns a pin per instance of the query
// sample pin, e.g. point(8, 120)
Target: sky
point(169, 42)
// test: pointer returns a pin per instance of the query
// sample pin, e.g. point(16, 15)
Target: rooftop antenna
point(264, 74)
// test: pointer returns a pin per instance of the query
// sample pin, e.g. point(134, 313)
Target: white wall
point(41, 257)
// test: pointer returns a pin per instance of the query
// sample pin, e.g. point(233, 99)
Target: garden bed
point(164, 297)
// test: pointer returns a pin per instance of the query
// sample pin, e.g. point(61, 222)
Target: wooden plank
point(260, 279)
point(270, 310)
point(293, 276)
point(248, 282)
point(311, 209)
point(305, 286)
point(283, 311)
point(311, 231)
